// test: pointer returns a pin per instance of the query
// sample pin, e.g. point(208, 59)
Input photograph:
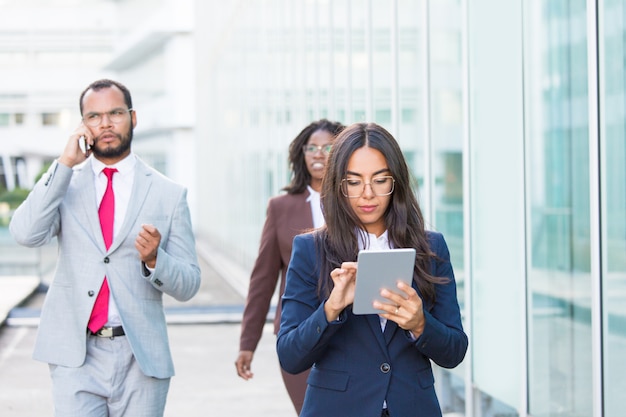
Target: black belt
point(108, 332)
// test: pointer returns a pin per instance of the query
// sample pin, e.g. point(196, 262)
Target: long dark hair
point(337, 241)
point(300, 174)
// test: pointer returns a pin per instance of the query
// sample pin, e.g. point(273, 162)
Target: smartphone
point(84, 145)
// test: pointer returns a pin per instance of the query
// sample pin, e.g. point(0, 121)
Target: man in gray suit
point(125, 237)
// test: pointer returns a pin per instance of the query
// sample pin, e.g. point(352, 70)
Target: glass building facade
point(511, 115)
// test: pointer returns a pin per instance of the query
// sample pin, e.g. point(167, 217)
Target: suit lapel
point(295, 217)
point(307, 214)
point(141, 187)
point(390, 329)
point(383, 338)
point(374, 322)
point(302, 208)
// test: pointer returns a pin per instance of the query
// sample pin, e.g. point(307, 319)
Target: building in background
point(154, 56)
point(50, 50)
point(44, 64)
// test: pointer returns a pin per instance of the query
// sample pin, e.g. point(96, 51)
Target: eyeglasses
point(115, 116)
point(313, 149)
point(354, 188)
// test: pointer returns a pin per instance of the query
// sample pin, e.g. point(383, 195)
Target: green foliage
point(14, 197)
point(10, 200)
point(43, 170)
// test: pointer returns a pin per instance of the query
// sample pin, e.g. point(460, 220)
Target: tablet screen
point(378, 269)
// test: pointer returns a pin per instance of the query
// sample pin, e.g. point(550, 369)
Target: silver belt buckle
point(105, 332)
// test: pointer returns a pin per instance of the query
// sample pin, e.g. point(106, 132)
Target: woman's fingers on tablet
point(349, 266)
point(406, 288)
point(405, 309)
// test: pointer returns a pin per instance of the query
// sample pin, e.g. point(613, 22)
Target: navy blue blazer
point(355, 366)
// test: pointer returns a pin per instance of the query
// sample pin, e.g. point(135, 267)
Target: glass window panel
point(447, 130)
point(446, 123)
point(446, 41)
point(559, 290)
point(341, 60)
point(410, 90)
point(497, 206)
point(612, 37)
point(358, 61)
point(382, 62)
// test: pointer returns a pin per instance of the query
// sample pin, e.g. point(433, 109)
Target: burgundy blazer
point(287, 216)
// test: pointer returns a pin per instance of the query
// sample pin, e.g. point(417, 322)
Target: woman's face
point(315, 158)
point(368, 166)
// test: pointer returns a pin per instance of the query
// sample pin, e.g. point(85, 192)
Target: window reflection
point(613, 171)
point(559, 281)
point(446, 139)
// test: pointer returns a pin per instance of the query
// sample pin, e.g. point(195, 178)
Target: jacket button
point(385, 368)
point(90, 293)
point(106, 260)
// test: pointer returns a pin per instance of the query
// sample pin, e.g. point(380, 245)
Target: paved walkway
point(204, 337)
point(14, 290)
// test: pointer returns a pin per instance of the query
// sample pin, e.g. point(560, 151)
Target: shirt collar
point(312, 194)
point(124, 166)
point(375, 243)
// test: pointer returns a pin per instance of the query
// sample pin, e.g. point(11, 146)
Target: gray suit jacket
point(63, 204)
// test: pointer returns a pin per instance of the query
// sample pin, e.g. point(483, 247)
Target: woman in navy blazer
point(377, 364)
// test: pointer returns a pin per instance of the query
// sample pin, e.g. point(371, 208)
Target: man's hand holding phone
point(85, 147)
point(78, 147)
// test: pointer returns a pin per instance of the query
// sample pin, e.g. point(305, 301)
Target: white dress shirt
point(122, 188)
point(316, 207)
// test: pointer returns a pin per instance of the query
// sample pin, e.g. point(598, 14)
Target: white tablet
point(378, 269)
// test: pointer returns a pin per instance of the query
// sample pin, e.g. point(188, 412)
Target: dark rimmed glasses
point(355, 187)
point(115, 116)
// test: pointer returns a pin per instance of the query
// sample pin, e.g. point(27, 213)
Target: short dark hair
point(106, 83)
point(300, 174)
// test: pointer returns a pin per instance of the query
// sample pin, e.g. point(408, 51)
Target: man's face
point(114, 132)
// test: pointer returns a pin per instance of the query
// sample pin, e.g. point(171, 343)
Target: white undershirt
point(122, 188)
point(316, 207)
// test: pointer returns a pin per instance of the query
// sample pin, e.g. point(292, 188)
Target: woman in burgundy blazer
point(287, 216)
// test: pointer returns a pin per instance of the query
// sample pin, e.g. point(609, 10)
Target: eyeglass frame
point(318, 148)
point(393, 187)
point(108, 113)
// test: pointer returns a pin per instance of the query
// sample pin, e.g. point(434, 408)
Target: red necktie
point(100, 312)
